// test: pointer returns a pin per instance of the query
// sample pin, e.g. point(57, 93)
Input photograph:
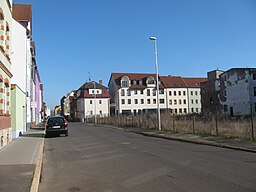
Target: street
point(103, 159)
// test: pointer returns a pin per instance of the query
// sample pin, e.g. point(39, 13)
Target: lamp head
point(152, 38)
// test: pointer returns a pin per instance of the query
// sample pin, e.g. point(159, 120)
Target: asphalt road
point(98, 159)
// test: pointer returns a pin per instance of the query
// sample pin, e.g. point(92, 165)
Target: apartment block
point(134, 93)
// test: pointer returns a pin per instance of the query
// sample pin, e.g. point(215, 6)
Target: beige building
point(5, 71)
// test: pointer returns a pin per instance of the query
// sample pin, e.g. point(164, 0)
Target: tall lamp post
point(157, 85)
point(95, 117)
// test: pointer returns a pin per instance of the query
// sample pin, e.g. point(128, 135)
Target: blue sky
point(74, 38)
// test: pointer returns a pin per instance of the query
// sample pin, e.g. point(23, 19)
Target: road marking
point(37, 174)
point(147, 176)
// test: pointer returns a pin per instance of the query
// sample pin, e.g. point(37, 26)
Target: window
point(91, 112)
point(191, 93)
point(5, 98)
point(184, 101)
point(180, 101)
point(129, 101)
point(92, 91)
point(136, 101)
point(197, 110)
point(142, 101)
point(254, 76)
point(192, 110)
point(174, 93)
point(184, 93)
point(140, 82)
point(141, 92)
point(196, 101)
point(176, 111)
point(154, 92)
point(255, 91)
point(90, 101)
point(99, 101)
point(128, 92)
point(101, 112)
point(124, 83)
point(185, 110)
point(180, 110)
point(161, 91)
point(192, 101)
point(179, 92)
point(134, 82)
point(170, 102)
point(162, 101)
point(170, 93)
point(195, 92)
point(225, 108)
point(122, 92)
point(175, 102)
point(135, 92)
point(148, 92)
point(123, 101)
point(148, 101)
point(154, 101)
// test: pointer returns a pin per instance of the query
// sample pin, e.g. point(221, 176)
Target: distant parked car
point(56, 125)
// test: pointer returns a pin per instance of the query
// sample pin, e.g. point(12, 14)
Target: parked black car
point(56, 125)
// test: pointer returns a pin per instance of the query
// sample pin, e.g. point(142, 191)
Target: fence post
point(216, 122)
point(193, 128)
point(173, 123)
point(252, 138)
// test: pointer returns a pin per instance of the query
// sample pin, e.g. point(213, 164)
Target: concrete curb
point(37, 173)
point(201, 142)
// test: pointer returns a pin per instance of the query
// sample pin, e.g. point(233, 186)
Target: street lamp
point(157, 85)
point(95, 118)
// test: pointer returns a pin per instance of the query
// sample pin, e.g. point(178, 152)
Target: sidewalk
point(18, 161)
point(233, 143)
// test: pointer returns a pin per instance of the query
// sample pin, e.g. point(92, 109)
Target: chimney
point(100, 82)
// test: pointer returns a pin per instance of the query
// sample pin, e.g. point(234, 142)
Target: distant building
point(57, 110)
point(135, 93)
point(232, 92)
point(92, 99)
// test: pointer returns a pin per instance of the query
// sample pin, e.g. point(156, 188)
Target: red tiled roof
point(166, 81)
point(194, 82)
point(133, 76)
point(22, 12)
point(172, 81)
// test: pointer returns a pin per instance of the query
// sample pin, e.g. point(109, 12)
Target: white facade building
point(133, 93)
point(92, 100)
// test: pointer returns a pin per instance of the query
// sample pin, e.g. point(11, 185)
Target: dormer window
point(125, 81)
point(150, 81)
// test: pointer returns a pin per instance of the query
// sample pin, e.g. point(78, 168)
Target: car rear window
point(58, 120)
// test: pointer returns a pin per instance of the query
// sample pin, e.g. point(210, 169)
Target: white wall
point(90, 108)
point(18, 56)
point(139, 96)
